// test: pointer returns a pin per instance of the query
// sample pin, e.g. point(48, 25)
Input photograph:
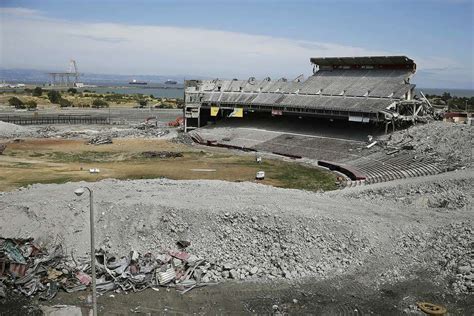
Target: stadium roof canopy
point(363, 61)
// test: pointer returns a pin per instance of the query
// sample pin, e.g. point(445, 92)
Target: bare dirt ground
point(53, 160)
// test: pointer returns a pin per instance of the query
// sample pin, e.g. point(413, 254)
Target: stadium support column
point(199, 117)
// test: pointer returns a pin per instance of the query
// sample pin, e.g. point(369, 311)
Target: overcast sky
point(237, 39)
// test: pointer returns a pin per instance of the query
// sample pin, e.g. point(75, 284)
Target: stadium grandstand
point(358, 89)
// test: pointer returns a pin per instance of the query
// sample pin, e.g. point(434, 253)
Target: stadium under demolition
point(363, 94)
point(190, 230)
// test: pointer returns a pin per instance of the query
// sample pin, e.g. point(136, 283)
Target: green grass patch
point(22, 165)
point(37, 155)
point(294, 176)
point(85, 157)
point(58, 180)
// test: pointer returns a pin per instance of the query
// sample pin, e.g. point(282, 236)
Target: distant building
point(458, 117)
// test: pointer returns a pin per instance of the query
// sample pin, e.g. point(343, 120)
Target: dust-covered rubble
point(8, 130)
point(448, 143)
point(248, 231)
point(443, 194)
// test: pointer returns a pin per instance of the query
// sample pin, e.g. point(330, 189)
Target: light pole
point(79, 192)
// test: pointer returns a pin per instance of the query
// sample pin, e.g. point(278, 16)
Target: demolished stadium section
point(358, 89)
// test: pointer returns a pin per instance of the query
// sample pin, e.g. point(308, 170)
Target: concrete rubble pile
point(183, 138)
point(444, 194)
point(257, 245)
point(161, 154)
point(47, 131)
point(104, 132)
point(443, 142)
point(27, 268)
point(100, 140)
point(453, 249)
point(8, 130)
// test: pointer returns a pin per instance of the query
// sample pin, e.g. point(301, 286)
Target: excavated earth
point(378, 236)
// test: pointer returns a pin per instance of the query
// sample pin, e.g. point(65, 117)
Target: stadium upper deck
point(360, 89)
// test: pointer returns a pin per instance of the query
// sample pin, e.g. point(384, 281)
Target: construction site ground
point(371, 249)
point(355, 252)
point(61, 160)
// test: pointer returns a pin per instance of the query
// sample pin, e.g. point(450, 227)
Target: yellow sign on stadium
point(237, 113)
point(214, 111)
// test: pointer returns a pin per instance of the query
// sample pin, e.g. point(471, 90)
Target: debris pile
point(25, 267)
point(161, 154)
point(453, 249)
point(100, 140)
point(251, 245)
point(443, 142)
point(47, 131)
point(183, 138)
point(442, 194)
point(9, 130)
point(149, 130)
point(30, 269)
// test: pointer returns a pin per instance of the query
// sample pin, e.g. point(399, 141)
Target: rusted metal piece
point(180, 255)
point(431, 309)
point(17, 269)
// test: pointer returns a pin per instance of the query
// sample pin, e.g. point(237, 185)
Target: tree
point(54, 96)
point(17, 103)
point(31, 104)
point(142, 102)
point(446, 96)
point(98, 103)
point(72, 90)
point(64, 103)
point(37, 92)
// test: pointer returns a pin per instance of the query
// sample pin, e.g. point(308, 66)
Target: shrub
point(17, 103)
point(64, 103)
point(142, 102)
point(37, 92)
point(72, 90)
point(31, 104)
point(54, 96)
point(98, 103)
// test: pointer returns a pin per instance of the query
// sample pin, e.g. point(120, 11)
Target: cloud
point(30, 40)
point(20, 12)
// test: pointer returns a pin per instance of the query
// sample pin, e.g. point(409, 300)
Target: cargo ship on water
point(169, 81)
point(134, 81)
